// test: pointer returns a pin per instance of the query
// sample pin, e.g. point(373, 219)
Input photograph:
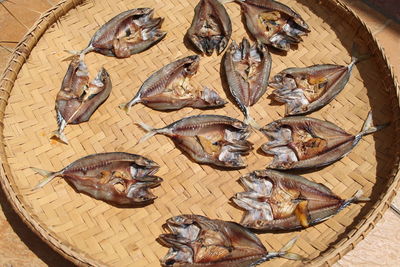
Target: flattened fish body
point(273, 23)
point(211, 27)
point(247, 70)
point(209, 139)
point(78, 99)
point(279, 201)
point(115, 177)
point(305, 90)
point(301, 142)
point(198, 241)
point(128, 33)
point(169, 88)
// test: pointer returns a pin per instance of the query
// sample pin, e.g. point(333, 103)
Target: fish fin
point(150, 131)
point(369, 128)
point(48, 176)
point(60, 137)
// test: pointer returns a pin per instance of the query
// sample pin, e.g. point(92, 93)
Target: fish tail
point(357, 56)
point(369, 128)
point(358, 197)
point(80, 53)
point(229, 1)
point(48, 176)
point(250, 121)
point(150, 131)
point(127, 106)
point(282, 253)
point(60, 137)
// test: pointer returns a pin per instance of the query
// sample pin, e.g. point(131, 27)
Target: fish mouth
point(139, 190)
point(143, 11)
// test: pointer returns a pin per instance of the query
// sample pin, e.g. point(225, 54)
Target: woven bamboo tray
point(91, 232)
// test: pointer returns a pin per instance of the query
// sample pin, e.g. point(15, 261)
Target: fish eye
point(170, 262)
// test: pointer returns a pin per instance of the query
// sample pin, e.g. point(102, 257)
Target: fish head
point(190, 65)
point(138, 189)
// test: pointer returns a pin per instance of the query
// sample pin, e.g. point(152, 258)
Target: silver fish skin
point(130, 32)
point(305, 90)
point(273, 23)
point(280, 201)
point(208, 139)
point(78, 98)
point(302, 143)
point(196, 241)
point(211, 27)
point(169, 89)
point(115, 177)
point(247, 70)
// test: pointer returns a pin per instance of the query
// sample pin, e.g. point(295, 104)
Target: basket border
point(19, 57)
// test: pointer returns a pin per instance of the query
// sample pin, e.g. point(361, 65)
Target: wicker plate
point(92, 232)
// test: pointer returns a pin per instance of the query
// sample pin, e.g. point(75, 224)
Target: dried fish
point(272, 23)
point(208, 139)
point(169, 88)
point(78, 98)
point(305, 90)
point(300, 142)
point(128, 33)
point(211, 27)
point(279, 201)
point(199, 241)
point(115, 177)
point(247, 71)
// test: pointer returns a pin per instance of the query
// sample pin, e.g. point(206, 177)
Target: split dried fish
point(115, 177)
point(211, 27)
point(305, 90)
point(272, 23)
point(247, 71)
point(169, 88)
point(279, 201)
point(78, 98)
point(199, 241)
point(300, 142)
point(128, 33)
point(208, 139)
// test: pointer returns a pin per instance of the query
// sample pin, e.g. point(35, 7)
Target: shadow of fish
point(211, 27)
point(115, 177)
point(279, 201)
point(196, 240)
point(208, 139)
point(128, 33)
point(169, 89)
point(78, 98)
point(247, 71)
point(302, 143)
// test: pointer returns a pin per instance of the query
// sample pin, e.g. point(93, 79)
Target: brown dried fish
point(247, 71)
point(78, 98)
point(279, 201)
point(272, 23)
point(169, 88)
point(115, 177)
point(305, 90)
point(208, 139)
point(211, 27)
point(300, 142)
point(128, 33)
point(199, 241)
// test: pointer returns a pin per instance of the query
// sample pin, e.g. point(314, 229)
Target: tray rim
point(21, 54)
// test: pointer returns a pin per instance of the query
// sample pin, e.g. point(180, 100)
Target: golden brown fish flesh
point(169, 88)
point(280, 201)
point(305, 90)
point(272, 23)
point(301, 142)
point(128, 33)
point(115, 177)
point(211, 27)
point(199, 241)
point(208, 139)
point(78, 98)
point(247, 70)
